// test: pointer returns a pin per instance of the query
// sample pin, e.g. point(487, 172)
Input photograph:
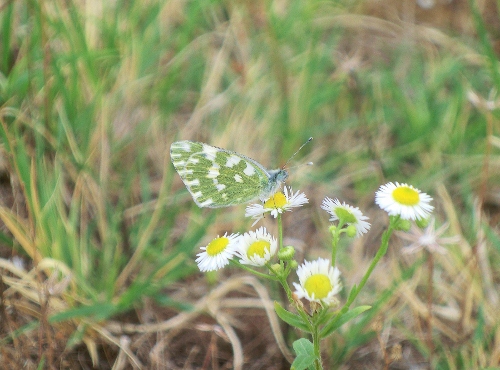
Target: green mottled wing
point(216, 177)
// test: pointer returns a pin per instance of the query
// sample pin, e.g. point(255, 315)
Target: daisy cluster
point(255, 248)
point(319, 281)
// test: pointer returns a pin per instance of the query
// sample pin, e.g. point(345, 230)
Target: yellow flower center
point(258, 248)
point(406, 196)
point(217, 245)
point(319, 284)
point(278, 200)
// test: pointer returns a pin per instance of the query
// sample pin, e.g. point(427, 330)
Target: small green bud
point(403, 225)
point(351, 231)
point(212, 277)
point(332, 229)
point(286, 253)
point(293, 264)
point(422, 222)
point(277, 268)
point(393, 219)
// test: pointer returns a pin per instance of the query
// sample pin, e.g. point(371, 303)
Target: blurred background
point(98, 234)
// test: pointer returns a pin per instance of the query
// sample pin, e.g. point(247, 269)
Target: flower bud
point(403, 225)
point(293, 264)
point(332, 229)
point(351, 231)
point(286, 253)
point(422, 223)
point(276, 268)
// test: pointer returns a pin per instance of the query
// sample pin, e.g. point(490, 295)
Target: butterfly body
point(218, 177)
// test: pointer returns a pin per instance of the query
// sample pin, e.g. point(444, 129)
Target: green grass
point(91, 98)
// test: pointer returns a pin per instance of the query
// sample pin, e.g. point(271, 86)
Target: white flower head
point(276, 204)
point(217, 253)
point(256, 248)
point(346, 214)
point(404, 200)
point(318, 281)
point(428, 238)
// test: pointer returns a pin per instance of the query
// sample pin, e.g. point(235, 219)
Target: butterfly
point(218, 177)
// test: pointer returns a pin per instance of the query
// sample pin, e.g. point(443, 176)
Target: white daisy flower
point(319, 281)
point(347, 214)
point(428, 238)
point(276, 204)
point(403, 200)
point(217, 253)
point(256, 247)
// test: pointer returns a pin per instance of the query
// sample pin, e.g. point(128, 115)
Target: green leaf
point(76, 337)
point(41, 364)
point(291, 318)
point(305, 354)
point(23, 330)
point(341, 320)
point(98, 311)
point(326, 317)
point(352, 292)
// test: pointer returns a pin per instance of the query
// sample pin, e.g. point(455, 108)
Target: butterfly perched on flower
point(218, 177)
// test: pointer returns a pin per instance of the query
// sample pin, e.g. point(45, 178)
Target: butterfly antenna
point(300, 165)
point(298, 150)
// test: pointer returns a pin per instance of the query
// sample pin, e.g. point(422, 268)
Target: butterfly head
point(276, 179)
point(280, 176)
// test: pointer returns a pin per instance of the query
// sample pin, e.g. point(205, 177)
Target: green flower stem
point(317, 318)
point(430, 266)
point(312, 326)
point(380, 253)
point(282, 278)
point(300, 310)
point(280, 232)
point(251, 270)
point(318, 365)
point(288, 291)
point(335, 242)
